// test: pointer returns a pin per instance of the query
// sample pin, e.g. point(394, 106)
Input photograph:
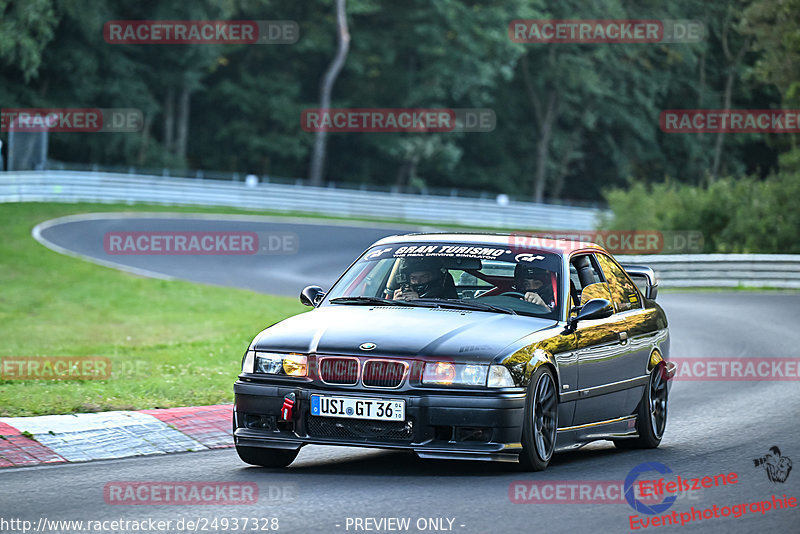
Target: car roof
point(565, 244)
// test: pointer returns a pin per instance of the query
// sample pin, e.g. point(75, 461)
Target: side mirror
point(594, 309)
point(644, 278)
point(311, 295)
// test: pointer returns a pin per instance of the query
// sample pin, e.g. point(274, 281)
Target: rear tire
point(541, 421)
point(651, 418)
point(266, 457)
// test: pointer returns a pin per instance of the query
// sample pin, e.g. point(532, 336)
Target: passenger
point(420, 278)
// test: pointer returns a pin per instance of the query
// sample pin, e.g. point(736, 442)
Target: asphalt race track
point(317, 252)
point(714, 427)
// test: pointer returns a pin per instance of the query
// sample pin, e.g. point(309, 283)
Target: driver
point(420, 278)
point(535, 284)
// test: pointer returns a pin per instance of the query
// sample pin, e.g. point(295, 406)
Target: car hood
point(459, 335)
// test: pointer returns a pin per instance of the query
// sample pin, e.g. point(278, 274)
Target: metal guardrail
point(72, 186)
point(233, 176)
point(681, 270)
point(722, 270)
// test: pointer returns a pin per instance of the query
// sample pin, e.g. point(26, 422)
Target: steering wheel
point(519, 295)
point(516, 294)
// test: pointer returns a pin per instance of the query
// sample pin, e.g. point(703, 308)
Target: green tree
point(26, 28)
point(773, 25)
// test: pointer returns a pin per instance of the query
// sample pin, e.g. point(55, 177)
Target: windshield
point(474, 276)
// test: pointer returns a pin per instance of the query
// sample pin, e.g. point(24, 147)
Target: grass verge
point(170, 343)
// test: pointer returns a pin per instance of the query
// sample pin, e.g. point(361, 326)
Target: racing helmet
point(524, 272)
point(434, 288)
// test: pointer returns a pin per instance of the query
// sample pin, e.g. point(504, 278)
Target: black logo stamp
point(777, 466)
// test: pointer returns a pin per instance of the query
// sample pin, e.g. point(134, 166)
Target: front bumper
point(438, 424)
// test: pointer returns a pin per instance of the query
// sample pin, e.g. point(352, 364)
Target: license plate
point(358, 408)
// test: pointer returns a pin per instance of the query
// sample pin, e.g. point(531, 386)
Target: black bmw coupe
point(468, 346)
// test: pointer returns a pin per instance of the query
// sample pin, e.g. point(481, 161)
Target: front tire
point(266, 457)
point(651, 419)
point(541, 421)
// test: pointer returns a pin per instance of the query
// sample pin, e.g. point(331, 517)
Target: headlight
point(473, 375)
point(454, 374)
point(270, 364)
point(500, 377)
point(280, 364)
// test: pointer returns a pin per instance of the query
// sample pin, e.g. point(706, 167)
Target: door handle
point(623, 337)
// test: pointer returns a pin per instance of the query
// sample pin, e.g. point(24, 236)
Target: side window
point(623, 290)
point(583, 271)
